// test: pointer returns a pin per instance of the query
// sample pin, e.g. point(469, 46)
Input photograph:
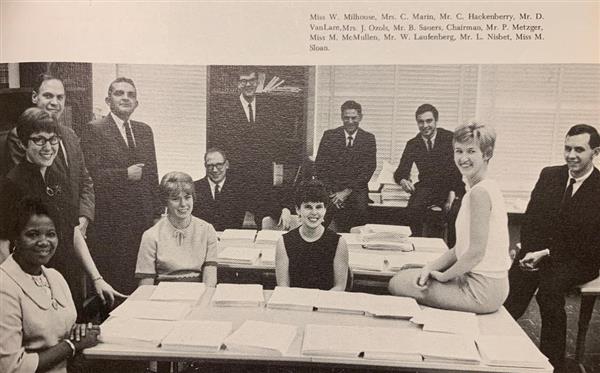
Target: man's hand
point(338, 198)
point(449, 201)
point(134, 172)
point(83, 224)
point(531, 260)
point(285, 221)
point(407, 185)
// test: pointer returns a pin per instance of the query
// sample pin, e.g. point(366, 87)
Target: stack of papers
point(353, 240)
point(510, 351)
point(392, 306)
point(366, 261)
point(259, 337)
point(178, 291)
point(448, 348)
point(397, 261)
point(152, 310)
point(298, 299)
point(238, 255)
point(399, 230)
point(267, 256)
point(341, 302)
point(240, 295)
point(429, 244)
point(267, 239)
point(446, 321)
point(238, 238)
point(202, 336)
point(134, 332)
point(368, 342)
point(386, 241)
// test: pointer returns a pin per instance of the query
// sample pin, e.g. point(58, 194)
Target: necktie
point(429, 145)
point(568, 193)
point(350, 141)
point(250, 113)
point(217, 191)
point(130, 141)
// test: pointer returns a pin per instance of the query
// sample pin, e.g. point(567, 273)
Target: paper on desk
point(238, 255)
point(446, 321)
point(386, 175)
point(134, 332)
point(429, 244)
point(392, 307)
point(448, 348)
point(366, 261)
point(204, 336)
point(510, 351)
point(153, 310)
point(342, 302)
point(242, 295)
point(183, 291)
point(259, 337)
point(293, 298)
point(397, 261)
point(267, 256)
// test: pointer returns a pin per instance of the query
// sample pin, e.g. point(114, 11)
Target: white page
point(431, 244)
point(268, 236)
point(238, 255)
point(331, 340)
point(154, 310)
point(293, 298)
point(237, 234)
point(197, 335)
point(267, 255)
point(391, 344)
point(238, 294)
point(397, 260)
point(447, 321)
point(447, 347)
point(510, 351)
point(136, 332)
point(366, 261)
point(392, 306)
point(184, 291)
point(262, 337)
point(341, 301)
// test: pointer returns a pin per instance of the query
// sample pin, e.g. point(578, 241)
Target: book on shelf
point(178, 291)
point(263, 338)
point(152, 310)
point(510, 351)
point(238, 255)
point(134, 332)
point(238, 295)
point(447, 321)
point(201, 335)
point(298, 299)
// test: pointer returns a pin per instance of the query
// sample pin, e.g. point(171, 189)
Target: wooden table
point(499, 323)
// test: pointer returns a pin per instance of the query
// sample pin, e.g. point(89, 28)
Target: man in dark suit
point(560, 239)
point(49, 95)
point(440, 182)
point(220, 197)
point(346, 160)
point(122, 161)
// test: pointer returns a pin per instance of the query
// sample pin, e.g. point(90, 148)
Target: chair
point(589, 292)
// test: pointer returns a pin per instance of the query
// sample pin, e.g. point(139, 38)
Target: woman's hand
point(84, 336)
point(439, 276)
point(106, 292)
point(423, 278)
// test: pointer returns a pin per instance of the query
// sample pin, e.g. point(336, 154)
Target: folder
point(264, 338)
point(152, 310)
point(509, 351)
point(298, 299)
point(238, 295)
point(178, 291)
point(134, 332)
point(203, 336)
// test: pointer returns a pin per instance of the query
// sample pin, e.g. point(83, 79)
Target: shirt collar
point(119, 122)
point(245, 102)
point(432, 137)
point(212, 183)
point(353, 135)
point(582, 178)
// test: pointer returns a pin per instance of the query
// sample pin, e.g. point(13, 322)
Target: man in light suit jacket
point(49, 95)
point(220, 197)
point(122, 161)
point(560, 239)
point(346, 160)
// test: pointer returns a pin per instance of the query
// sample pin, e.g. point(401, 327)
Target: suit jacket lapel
point(115, 134)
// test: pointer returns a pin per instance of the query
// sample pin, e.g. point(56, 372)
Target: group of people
point(65, 191)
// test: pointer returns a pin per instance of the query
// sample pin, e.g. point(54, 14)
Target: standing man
point(560, 239)
point(122, 161)
point(440, 182)
point(346, 160)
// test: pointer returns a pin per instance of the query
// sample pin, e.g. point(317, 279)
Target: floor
point(530, 322)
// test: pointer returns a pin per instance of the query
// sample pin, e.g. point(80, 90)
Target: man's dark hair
point(41, 79)
point(580, 129)
point(349, 105)
point(35, 120)
point(216, 150)
point(425, 108)
point(120, 79)
point(311, 191)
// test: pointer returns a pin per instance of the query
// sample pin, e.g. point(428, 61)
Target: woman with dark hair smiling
point(37, 315)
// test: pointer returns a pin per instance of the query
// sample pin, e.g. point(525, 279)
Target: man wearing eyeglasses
point(220, 196)
point(49, 95)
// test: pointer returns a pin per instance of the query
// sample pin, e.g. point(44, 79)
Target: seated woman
point(312, 256)
point(473, 275)
point(39, 176)
point(179, 247)
point(37, 313)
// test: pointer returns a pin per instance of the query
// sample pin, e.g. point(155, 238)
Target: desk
point(499, 323)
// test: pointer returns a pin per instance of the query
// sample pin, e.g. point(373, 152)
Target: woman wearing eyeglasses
point(37, 176)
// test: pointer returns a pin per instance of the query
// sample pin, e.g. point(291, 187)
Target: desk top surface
point(499, 323)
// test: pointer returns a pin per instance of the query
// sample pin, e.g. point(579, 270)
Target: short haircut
point(483, 135)
point(174, 183)
point(311, 191)
point(120, 79)
point(348, 105)
point(215, 150)
point(35, 120)
point(425, 108)
point(579, 129)
point(247, 70)
point(25, 208)
point(41, 79)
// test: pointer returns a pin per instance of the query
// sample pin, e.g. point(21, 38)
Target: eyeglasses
point(244, 82)
point(218, 166)
point(41, 141)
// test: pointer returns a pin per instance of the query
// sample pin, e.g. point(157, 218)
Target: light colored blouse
point(29, 318)
point(496, 260)
point(179, 253)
